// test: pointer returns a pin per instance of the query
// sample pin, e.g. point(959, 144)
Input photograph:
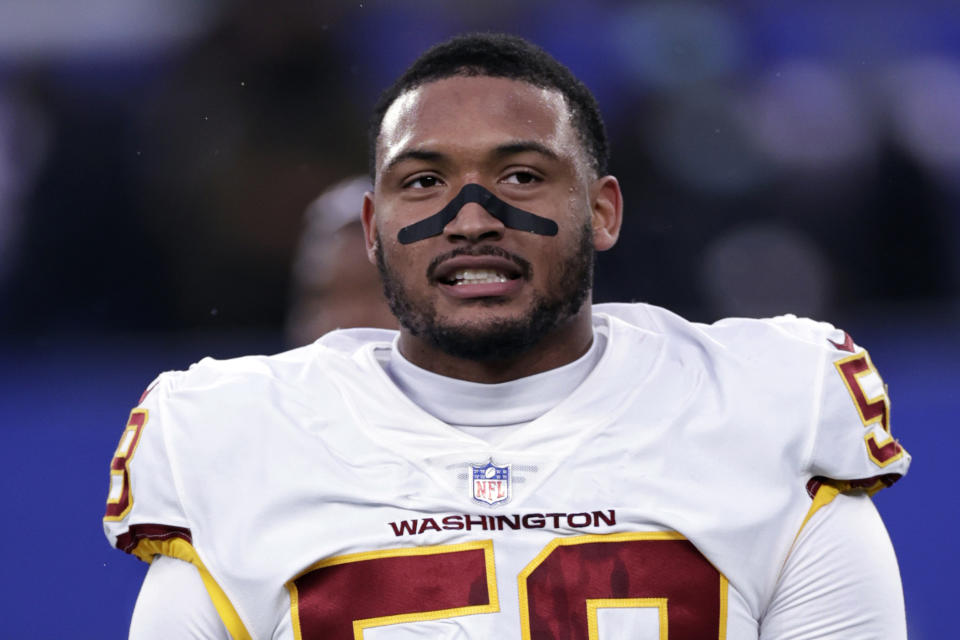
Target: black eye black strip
point(510, 216)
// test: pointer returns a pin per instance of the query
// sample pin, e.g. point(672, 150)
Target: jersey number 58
point(562, 591)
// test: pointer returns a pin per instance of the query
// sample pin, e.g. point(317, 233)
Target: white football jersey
point(665, 493)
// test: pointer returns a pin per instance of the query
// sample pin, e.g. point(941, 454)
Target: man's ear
point(607, 215)
point(369, 227)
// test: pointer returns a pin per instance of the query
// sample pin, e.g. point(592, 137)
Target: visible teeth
point(477, 276)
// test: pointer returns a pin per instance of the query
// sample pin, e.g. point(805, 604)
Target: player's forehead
point(473, 113)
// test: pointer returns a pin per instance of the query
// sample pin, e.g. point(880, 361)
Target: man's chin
point(483, 341)
point(489, 335)
point(483, 317)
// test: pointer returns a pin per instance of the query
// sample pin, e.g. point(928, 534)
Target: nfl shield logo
point(491, 483)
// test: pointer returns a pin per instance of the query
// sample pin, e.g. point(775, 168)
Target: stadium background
point(156, 157)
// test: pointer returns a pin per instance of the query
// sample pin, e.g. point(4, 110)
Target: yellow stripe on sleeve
point(181, 549)
point(825, 495)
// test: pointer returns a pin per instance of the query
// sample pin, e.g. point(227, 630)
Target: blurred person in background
point(334, 285)
point(514, 461)
point(234, 142)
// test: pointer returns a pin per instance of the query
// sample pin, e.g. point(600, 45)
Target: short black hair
point(500, 55)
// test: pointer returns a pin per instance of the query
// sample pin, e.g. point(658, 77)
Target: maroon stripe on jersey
point(867, 484)
point(886, 453)
point(846, 345)
point(886, 480)
point(869, 410)
point(146, 392)
point(813, 485)
point(128, 541)
point(117, 510)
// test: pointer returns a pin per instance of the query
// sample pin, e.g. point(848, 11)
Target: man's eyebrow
point(414, 154)
point(500, 151)
point(523, 146)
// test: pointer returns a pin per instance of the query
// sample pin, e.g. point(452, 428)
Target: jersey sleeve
point(143, 512)
point(174, 603)
point(841, 580)
point(145, 515)
point(853, 446)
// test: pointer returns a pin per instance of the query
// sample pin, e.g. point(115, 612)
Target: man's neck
point(561, 346)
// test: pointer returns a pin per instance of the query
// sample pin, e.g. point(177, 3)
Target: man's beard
point(504, 338)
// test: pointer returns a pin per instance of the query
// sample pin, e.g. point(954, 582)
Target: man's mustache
point(526, 269)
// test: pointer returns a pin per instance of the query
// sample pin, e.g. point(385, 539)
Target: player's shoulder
point(782, 328)
point(336, 353)
point(785, 337)
point(744, 336)
point(837, 399)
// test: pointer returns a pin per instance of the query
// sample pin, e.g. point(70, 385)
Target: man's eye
point(423, 182)
point(521, 177)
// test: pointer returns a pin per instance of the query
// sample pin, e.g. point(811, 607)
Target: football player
point(514, 462)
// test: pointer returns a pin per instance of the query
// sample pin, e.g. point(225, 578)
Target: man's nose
point(473, 223)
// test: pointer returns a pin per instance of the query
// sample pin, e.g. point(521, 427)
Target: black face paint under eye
point(510, 216)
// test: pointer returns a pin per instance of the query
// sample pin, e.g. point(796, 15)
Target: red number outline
point(492, 606)
point(592, 605)
point(884, 450)
point(119, 507)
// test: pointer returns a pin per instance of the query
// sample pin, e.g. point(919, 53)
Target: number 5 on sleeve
point(869, 395)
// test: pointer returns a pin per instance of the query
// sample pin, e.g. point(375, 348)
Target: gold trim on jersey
point(879, 444)
point(825, 495)
point(724, 597)
point(181, 549)
point(129, 441)
point(116, 486)
point(826, 492)
point(883, 397)
point(359, 626)
point(594, 605)
point(883, 418)
point(608, 537)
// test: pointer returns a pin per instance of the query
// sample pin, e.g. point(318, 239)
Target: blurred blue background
point(157, 157)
